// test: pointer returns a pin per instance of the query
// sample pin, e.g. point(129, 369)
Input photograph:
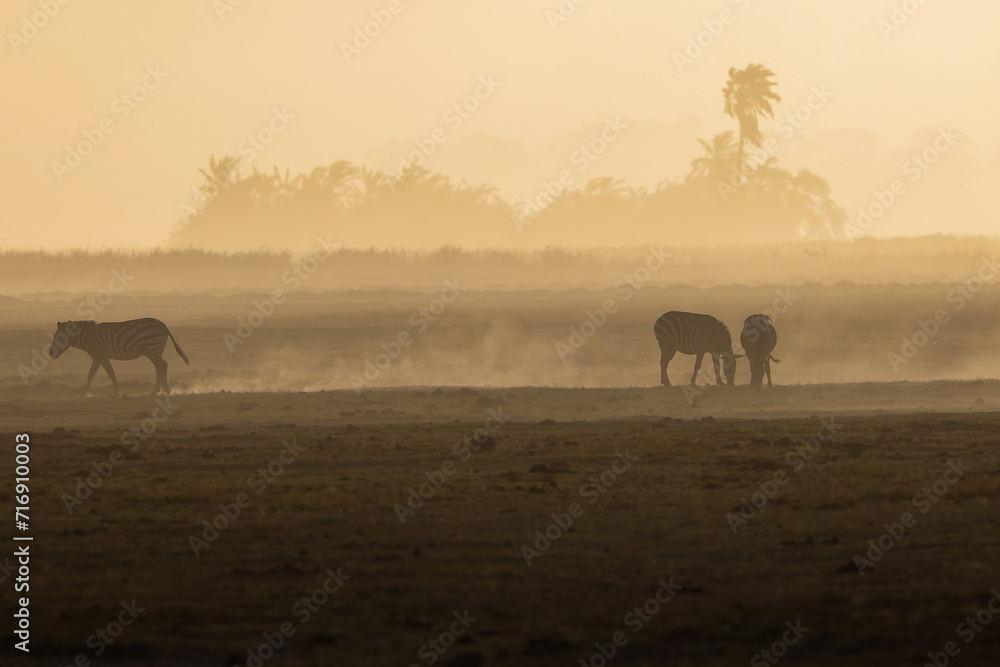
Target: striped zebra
point(692, 333)
point(758, 339)
point(117, 340)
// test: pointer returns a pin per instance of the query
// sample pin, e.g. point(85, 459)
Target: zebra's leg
point(697, 367)
point(90, 376)
point(161, 376)
point(755, 371)
point(665, 356)
point(111, 374)
point(767, 369)
point(715, 363)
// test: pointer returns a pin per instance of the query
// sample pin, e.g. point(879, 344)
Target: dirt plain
point(118, 511)
point(663, 517)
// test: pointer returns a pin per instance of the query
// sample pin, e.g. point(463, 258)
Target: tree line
point(731, 193)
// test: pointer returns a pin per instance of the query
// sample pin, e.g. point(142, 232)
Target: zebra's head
point(62, 340)
point(729, 366)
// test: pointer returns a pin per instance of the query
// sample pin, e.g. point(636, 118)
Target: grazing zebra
point(117, 340)
point(758, 339)
point(691, 333)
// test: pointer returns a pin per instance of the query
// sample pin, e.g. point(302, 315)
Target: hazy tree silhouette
point(372, 185)
point(358, 206)
point(605, 186)
point(719, 157)
point(748, 95)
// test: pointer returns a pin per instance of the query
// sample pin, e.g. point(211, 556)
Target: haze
point(223, 75)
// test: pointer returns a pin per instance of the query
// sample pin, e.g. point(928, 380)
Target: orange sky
point(199, 80)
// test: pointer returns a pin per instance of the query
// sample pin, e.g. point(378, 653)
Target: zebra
point(105, 341)
point(693, 333)
point(758, 339)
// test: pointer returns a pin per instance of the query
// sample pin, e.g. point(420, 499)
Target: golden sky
point(199, 77)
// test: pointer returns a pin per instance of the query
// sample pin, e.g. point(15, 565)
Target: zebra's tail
point(178, 348)
point(777, 361)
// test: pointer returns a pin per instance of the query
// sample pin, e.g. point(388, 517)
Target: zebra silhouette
point(693, 333)
point(105, 341)
point(758, 339)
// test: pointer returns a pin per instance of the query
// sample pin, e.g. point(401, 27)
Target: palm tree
point(372, 184)
point(221, 174)
point(714, 165)
point(748, 96)
point(282, 187)
point(478, 195)
point(604, 186)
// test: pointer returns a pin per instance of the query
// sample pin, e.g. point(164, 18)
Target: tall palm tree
point(748, 96)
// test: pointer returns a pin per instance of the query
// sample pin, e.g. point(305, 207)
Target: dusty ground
point(120, 489)
point(664, 517)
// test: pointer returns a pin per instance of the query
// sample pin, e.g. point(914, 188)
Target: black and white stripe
point(693, 333)
point(105, 341)
point(758, 339)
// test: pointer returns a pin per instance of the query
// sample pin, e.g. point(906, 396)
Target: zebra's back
point(126, 340)
point(758, 336)
point(692, 333)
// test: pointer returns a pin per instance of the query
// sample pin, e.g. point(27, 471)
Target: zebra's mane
point(74, 327)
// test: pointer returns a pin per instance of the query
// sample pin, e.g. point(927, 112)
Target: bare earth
point(661, 519)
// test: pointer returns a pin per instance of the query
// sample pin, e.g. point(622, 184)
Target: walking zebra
point(692, 333)
point(758, 339)
point(117, 340)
